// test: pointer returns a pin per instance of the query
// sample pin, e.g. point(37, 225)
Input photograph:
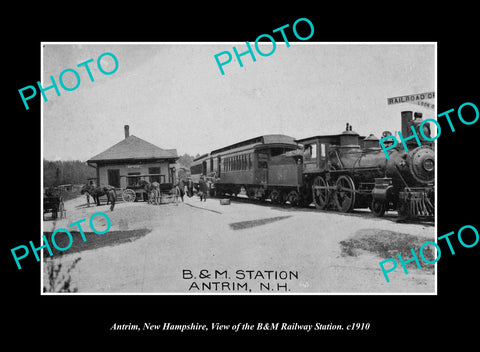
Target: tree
point(64, 172)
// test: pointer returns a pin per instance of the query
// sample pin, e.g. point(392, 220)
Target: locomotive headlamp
point(428, 165)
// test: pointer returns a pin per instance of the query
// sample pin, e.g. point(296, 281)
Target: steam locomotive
point(344, 171)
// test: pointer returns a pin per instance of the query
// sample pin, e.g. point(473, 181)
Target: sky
point(174, 96)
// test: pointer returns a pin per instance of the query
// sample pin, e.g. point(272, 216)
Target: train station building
point(132, 159)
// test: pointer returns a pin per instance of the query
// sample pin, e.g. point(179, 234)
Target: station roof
point(132, 148)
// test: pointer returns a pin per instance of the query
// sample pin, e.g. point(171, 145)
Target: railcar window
point(307, 151)
point(249, 161)
point(262, 160)
point(322, 150)
point(314, 150)
point(196, 169)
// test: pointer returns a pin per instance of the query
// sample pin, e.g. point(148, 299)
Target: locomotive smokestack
point(406, 121)
point(127, 132)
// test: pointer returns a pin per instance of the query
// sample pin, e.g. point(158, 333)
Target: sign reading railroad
point(412, 98)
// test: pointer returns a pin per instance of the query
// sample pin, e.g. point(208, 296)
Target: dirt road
point(238, 248)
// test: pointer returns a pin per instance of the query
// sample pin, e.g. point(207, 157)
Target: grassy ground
point(93, 241)
point(387, 244)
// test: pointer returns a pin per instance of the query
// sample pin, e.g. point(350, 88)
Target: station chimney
point(127, 132)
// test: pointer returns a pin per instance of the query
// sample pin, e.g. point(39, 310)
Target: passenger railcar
point(198, 168)
point(243, 168)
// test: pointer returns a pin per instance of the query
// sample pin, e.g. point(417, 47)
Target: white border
point(435, 293)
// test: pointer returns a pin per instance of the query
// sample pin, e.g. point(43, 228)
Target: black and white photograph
point(265, 175)
point(303, 173)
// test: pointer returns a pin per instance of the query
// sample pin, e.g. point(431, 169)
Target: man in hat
point(203, 189)
point(180, 187)
point(190, 187)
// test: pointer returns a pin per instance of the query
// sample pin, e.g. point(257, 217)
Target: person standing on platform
point(190, 187)
point(203, 189)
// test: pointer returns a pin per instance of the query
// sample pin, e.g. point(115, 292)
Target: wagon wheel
point(293, 198)
point(345, 194)
point(321, 196)
point(128, 195)
point(378, 208)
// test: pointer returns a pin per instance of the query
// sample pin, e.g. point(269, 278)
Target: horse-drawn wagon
point(53, 203)
point(140, 188)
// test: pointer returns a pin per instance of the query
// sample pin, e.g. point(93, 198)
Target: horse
point(152, 189)
point(97, 192)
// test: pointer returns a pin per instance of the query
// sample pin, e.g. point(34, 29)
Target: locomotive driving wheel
point(320, 192)
point(344, 194)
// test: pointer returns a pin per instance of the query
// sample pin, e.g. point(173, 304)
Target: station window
point(156, 172)
point(132, 181)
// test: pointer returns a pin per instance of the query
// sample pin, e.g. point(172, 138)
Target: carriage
point(53, 203)
point(136, 189)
